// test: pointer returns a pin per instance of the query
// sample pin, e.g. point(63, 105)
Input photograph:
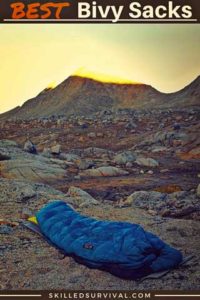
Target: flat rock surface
point(23, 165)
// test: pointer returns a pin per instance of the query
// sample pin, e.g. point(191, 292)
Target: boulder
point(142, 198)
point(107, 171)
point(30, 147)
point(37, 170)
point(97, 152)
point(174, 205)
point(84, 164)
point(47, 152)
point(164, 138)
point(159, 149)
point(26, 213)
point(83, 125)
point(29, 167)
point(4, 155)
point(124, 157)
point(56, 149)
point(26, 193)
point(92, 135)
point(81, 197)
point(100, 134)
point(147, 162)
point(70, 157)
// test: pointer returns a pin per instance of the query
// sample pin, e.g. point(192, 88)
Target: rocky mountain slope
point(83, 96)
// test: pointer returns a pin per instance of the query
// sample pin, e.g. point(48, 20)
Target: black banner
point(101, 295)
point(99, 11)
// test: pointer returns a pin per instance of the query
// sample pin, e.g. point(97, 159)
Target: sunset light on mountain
point(103, 77)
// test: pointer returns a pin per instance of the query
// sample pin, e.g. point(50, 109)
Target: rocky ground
point(137, 166)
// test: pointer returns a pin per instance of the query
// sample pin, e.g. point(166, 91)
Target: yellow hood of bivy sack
point(33, 220)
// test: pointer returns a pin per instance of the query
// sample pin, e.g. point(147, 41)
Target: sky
point(33, 57)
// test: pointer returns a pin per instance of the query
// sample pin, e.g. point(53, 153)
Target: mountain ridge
point(82, 96)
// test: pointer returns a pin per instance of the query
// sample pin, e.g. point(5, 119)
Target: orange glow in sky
point(51, 85)
point(83, 72)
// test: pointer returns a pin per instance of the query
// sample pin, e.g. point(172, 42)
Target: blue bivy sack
point(121, 248)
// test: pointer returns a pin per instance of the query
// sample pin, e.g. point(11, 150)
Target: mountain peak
point(85, 96)
point(103, 77)
point(85, 79)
